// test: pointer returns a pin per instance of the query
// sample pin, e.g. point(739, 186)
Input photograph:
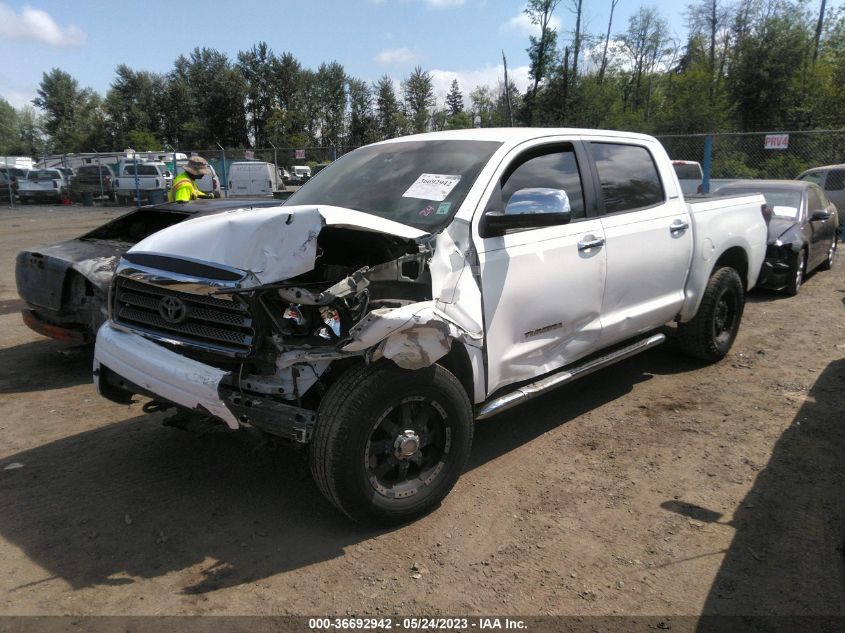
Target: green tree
point(419, 98)
point(287, 123)
point(482, 106)
point(389, 116)
point(766, 74)
point(31, 137)
point(9, 128)
point(71, 114)
point(135, 104)
point(216, 94)
point(460, 121)
point(541, 50)
point(455, 99)
point(362, 121)
point(256, 66)
point(330, 92)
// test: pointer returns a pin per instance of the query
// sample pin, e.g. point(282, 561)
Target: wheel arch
point(457, 362)
point(735, 257)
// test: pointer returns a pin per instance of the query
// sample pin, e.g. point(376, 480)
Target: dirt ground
point(658, 486)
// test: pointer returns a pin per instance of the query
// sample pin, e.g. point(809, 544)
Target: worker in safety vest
point(184, 187)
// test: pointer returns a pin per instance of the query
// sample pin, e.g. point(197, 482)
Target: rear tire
point(831, 255)
point(390, 443)
point(711, 332)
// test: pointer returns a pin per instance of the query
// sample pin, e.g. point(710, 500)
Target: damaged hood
point(270, 244)
point(778, 227)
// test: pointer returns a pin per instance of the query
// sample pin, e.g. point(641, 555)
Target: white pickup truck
point(420, 284)
point(141, 179)
point(42, 184)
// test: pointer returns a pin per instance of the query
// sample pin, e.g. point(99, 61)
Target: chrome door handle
point(678, 225)
point(589, 242)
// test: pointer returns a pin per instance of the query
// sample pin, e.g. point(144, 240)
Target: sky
point(453, 39)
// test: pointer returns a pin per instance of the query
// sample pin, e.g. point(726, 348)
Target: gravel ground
point(658, 486)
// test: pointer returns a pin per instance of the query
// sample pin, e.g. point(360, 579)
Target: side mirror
point(820, 216)
point(529, 209)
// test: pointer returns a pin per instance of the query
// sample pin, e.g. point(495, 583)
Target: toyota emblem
point(172, 309)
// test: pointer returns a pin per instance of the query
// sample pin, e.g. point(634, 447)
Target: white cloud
point(35, 25)
point(431, 3)
point(394, 56)
point(522, 25)
point(468, 80)
point(19, 98)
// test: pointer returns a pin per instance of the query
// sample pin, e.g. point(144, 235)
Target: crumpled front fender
point(413, 336)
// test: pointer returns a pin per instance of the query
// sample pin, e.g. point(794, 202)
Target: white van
point(254, 178)
point(303, 172)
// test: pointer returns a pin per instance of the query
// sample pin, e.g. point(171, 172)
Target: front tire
point(710, 334)
point(799, 271)
point(390, 443)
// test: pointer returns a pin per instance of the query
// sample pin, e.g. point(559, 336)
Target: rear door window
point(628, 177)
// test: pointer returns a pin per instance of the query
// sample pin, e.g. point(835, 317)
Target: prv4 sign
point(776, 141)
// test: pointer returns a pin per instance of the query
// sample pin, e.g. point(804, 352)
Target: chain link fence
point(731, 156)
point(105, 165)
point(759, 154)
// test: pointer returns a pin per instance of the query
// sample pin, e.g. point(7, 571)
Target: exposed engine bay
point(306, 322)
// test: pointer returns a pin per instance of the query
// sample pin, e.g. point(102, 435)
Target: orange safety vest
point(183, 189)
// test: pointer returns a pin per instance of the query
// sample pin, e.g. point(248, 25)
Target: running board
point(527, 392)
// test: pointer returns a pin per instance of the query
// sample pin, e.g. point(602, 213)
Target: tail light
point(700, 188)
point(156, 183)
point(230, 184)
point(55, 184)
point(214, 185)
point(766, 210)
point(270, 184)
point(116, 183)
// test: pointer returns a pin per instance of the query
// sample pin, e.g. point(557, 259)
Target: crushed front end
point(256, 341)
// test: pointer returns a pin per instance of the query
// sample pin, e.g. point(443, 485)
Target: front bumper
point(158, 371)
point(774, 274)
point(126, 363)
point(76, 333)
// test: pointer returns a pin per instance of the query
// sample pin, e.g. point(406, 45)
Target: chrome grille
point(211, 322)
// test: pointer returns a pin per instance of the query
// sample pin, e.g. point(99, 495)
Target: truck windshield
point(418, 183)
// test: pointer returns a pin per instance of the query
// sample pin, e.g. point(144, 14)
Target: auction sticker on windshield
point(432, 187)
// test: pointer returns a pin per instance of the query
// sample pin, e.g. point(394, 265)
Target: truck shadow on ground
point(788, 551)
point(135, 500)
point(44, 364)
point(767, 295)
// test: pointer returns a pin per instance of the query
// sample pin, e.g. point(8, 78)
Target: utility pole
point(507, 89)
point(225, 175)
point(819, 31)
point(175, 168)
point(100, 174)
